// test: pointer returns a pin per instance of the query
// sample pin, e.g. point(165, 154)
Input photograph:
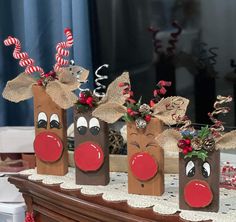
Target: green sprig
point(204, 132)
point(127, 118)
point(201, 154)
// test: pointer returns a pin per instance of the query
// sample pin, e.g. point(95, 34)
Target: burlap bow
point(60, 90)
point(111, 107)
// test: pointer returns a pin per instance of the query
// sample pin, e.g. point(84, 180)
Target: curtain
point(39, 25)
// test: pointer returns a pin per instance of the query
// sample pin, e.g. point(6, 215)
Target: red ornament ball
point(148, 118)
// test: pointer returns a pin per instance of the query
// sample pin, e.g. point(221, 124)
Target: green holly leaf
point(139, 102)
point(201, 154)
point(204, 132)
point(127, 118)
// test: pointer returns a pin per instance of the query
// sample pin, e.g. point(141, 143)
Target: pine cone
point(197, 143)
point(209, 144)
point(140, 123)
point(144, 108)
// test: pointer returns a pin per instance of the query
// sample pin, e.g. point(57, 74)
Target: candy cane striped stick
point(62, 51)
point(25, 60)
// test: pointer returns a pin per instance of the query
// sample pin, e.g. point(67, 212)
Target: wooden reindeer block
point(91, 149)
point(199, 158)
point(145, 159)
point(50, 142)
point(53, 94)
point(199, 182)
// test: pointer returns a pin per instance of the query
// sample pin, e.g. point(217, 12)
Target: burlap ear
point(114, 92)
point(168, 140)
point(73, 76)
point(227, 141)
point(109, 112)
point(61, 94)
point(170, 109)
point(19, 89)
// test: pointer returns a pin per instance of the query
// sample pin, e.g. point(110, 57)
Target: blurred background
point(198, 59)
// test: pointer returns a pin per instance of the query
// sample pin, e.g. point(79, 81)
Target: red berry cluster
point(159, 91)
point(52, 75)
point(134, 113)
point(86, 99)
point(185, 145)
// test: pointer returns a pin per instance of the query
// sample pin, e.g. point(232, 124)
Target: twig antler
point(61, 51)
point(25, 60)
point(218, 126)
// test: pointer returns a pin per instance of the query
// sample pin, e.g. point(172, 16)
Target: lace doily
point(167, 204)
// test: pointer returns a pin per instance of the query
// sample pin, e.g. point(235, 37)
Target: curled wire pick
point(218, 109)
point(100, 86)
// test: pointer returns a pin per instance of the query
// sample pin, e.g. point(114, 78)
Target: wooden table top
point(56, 204)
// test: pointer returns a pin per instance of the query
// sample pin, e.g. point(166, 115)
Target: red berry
point(121, 84)
point(147, 118)
point(185, 151)
point(82, 95)
point(89, 101)
point(82, 99)
point(181, 144)
point(187, 141)
point(155, 92)
point(132, 113)
point(152, 103)
point(129, 110)
point(40, 82)
point(162, 91)
point(190, 149)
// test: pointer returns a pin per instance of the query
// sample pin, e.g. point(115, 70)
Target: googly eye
point(190, 169)
point(206, 169)
point(54, 121)
point(94, 126)
point(82, 125)
point(42, 120)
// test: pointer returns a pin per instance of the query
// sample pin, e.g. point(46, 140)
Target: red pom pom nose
point(143, 166)
point(198, 194)
point(88, 156)
point(48, 147)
